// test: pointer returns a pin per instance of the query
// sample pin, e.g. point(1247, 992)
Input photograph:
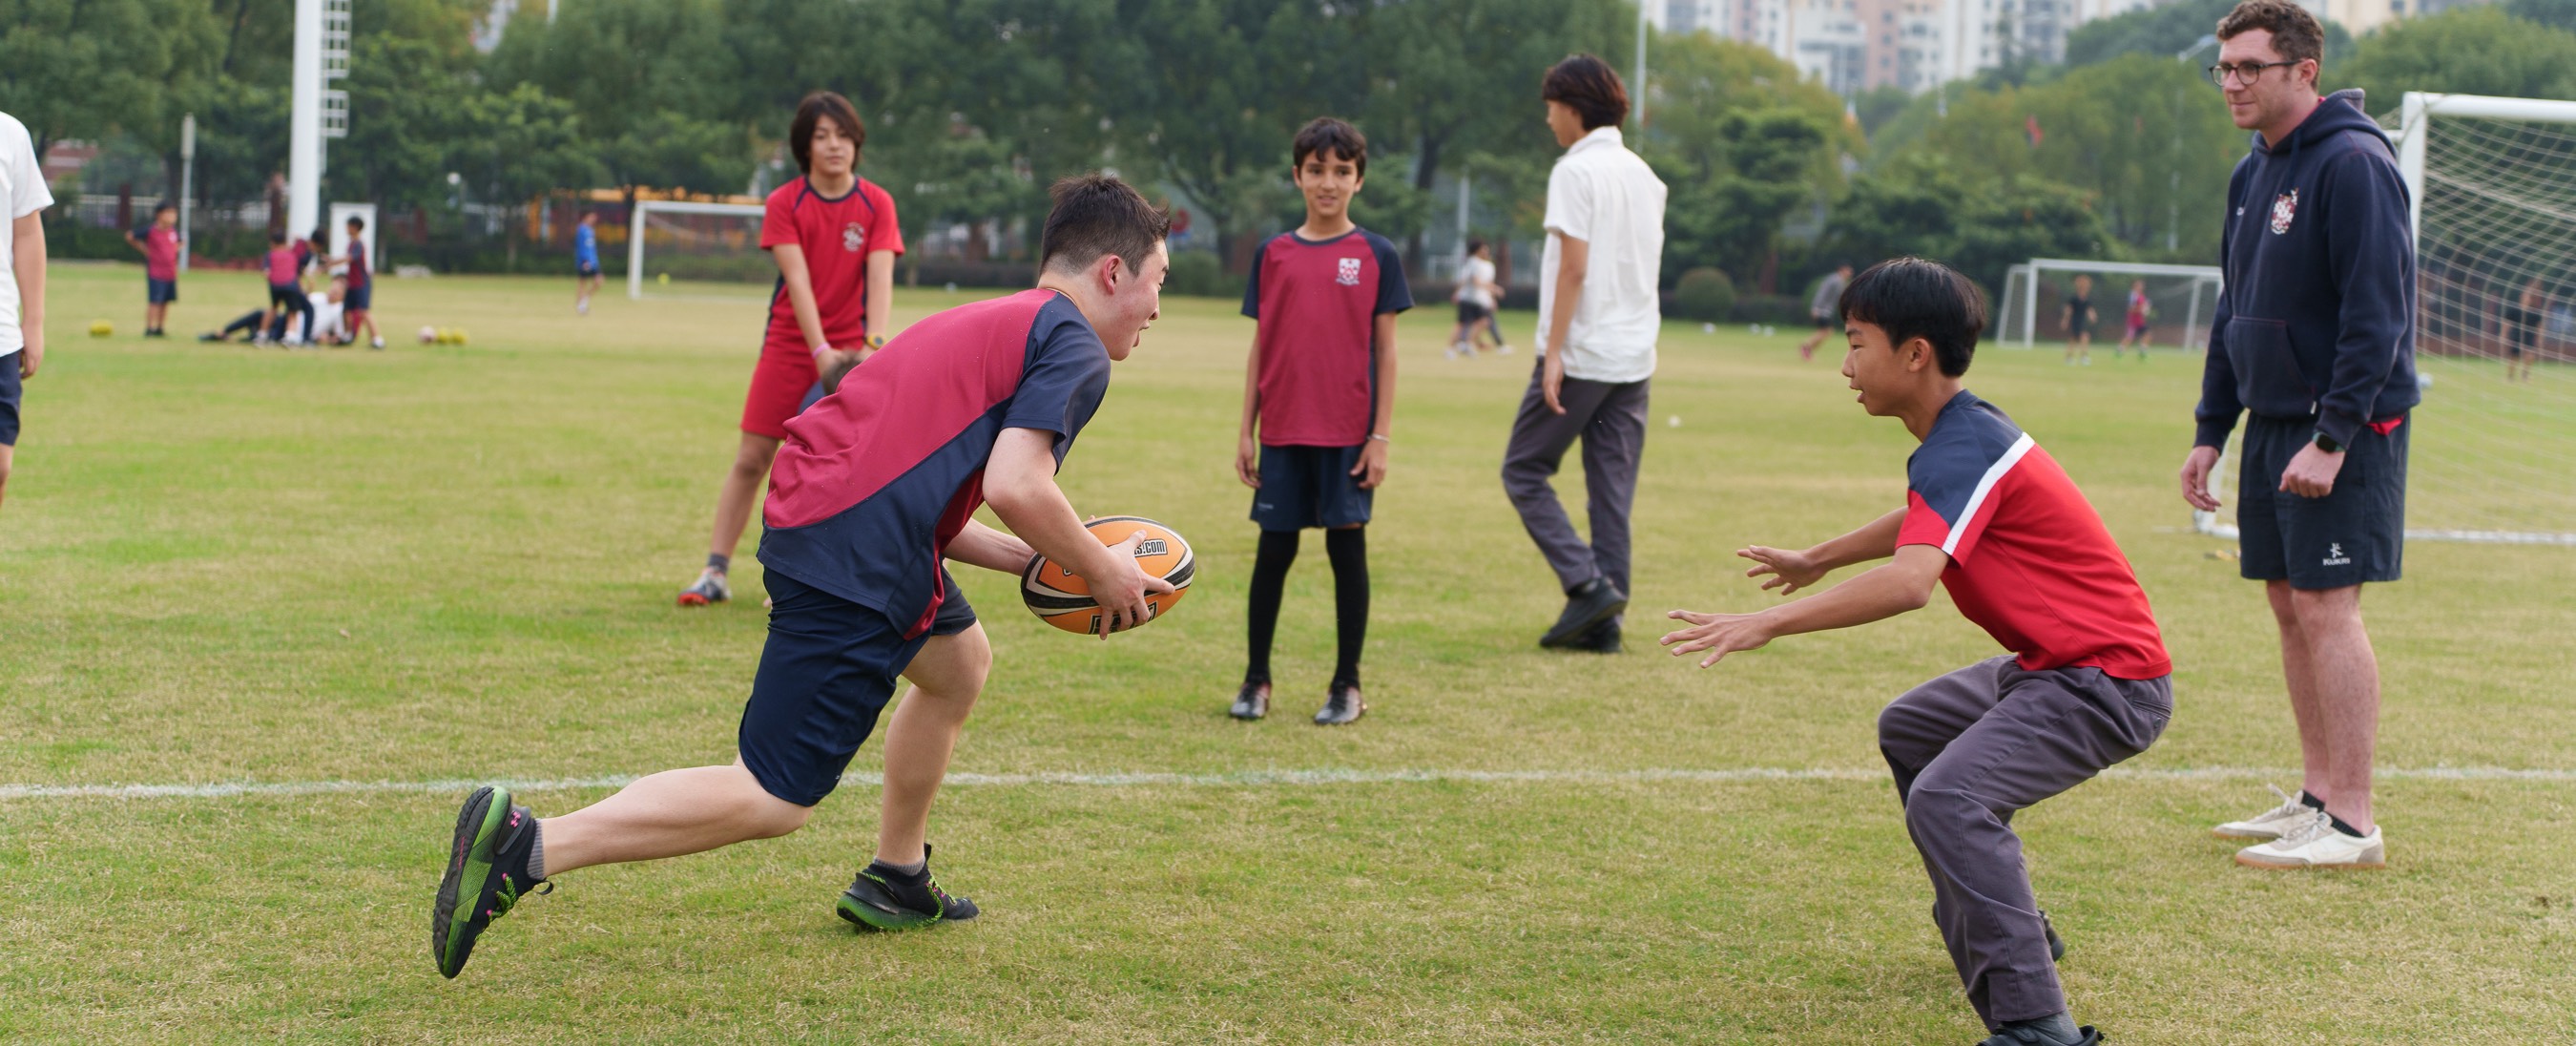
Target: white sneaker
point(2314, 843)
point(2270, 824)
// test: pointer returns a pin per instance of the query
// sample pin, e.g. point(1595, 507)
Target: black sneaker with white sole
point(1251, 702)
point(1342, 706)
point(882, 898)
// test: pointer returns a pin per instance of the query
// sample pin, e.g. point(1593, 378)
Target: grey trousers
point(1968, 750)
point(1611, 419)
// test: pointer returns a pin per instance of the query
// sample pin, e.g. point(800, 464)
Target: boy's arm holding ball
point(1019, 482)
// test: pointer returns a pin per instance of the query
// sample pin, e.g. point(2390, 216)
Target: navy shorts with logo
point(2354, 535)
point(1310, 487)
point(10, 389)
point(827, 670)
point(159, 292)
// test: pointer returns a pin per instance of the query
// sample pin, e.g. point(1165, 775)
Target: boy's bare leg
point(741, 488)
point(671, 813)
point(7, 454)
point(946, 676)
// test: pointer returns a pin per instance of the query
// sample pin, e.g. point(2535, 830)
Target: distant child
point(23, 197)
point(2139, 311)
point(1477, 296)
point(315, 253)
point(361, 286)
point(1318, 401)
point(834, 238)
point(285, 266)
point(585, 262)
point(158, 240)
point(1992, 517)
point(1824, 307)
point(2079, 322)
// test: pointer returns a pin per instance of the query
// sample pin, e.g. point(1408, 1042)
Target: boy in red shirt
point(1318, 399)
point(285, 267)
point(834, 237)
point(1991, 517)
point(159, 242)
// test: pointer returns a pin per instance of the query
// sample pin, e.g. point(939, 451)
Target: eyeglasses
point(2247, 71)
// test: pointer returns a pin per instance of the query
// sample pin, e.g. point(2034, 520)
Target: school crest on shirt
point(853, 237)
point(2284, 208)
point(1350, 276)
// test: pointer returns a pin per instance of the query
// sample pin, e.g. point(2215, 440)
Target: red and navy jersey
point(1318, 303)
point(2030, 561)
point(358, 276)
point(874, 480)
point(836, 234)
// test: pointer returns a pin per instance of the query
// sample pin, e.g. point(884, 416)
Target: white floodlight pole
point(304, 127)
point(187, 182)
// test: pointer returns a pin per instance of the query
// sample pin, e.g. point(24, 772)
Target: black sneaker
point(884, 899)
point(1252, 702)
point(2056, 944)
point(492, 838)
point(2016, 1035)
point(1603, 639)
point(1586, 607)
point(1342, 706)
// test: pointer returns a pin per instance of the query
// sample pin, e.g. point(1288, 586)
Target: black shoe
point(2056, 944)
point(1342, 706)
point(1252, 702)
point(492, 838)
point(2016, 1035)
point(1587, 606)
point(1603, 639)
point(885, 899)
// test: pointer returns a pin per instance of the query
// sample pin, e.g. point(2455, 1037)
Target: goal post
point(715, 247)
point(2180, 299)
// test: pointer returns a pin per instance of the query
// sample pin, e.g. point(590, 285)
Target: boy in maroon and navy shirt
point(159, 242)
point(1318, 398)
point(1991, 517)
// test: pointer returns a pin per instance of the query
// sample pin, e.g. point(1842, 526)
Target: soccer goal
point(687, 249)
point(2179, 301)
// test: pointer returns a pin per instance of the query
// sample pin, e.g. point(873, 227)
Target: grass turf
point(439, 562)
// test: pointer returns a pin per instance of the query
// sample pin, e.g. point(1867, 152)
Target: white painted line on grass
point(1238, 779)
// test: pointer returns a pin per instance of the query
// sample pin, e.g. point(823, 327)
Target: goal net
point(2179, 299)
point(685, 249)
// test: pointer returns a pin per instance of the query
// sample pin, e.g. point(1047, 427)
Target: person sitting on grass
point(1992, 517)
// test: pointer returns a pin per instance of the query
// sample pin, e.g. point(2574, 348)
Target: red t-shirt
point(160, 252)
point(2030, 561)
point(836, 236)
point(1318, 303)
point(284, 265)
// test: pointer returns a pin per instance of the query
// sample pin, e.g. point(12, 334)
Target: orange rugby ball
point(1063, 599)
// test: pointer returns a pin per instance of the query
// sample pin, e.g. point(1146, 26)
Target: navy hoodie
point(2318, 319)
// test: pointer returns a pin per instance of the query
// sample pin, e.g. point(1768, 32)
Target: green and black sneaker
point(885, 899)
point(486, 874)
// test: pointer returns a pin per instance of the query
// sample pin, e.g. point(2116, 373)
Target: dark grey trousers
point(1611, 419)
point(1969, 749)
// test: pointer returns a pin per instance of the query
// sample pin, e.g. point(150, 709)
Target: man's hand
point(1122, 587)
point(1790, 571)
point(1722, 634)
point(2195, 478)
point(1372, 467)
point(2312, 472)
point(1551, 378)
point(1247, 461)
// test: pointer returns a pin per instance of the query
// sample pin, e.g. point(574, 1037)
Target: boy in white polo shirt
point(1598, 314)
point(22, 290)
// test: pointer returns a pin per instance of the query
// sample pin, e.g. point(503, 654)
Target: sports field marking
point(1240, 779)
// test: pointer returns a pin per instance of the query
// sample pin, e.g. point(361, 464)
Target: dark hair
point(277, 236)
point(1475, 243)
point(1913, 298)
point(1095, 215)
point(2295, 33)
point(356, 222)
point(1588, 86)
point(817, 107)
point(164, 205)
point(1326, 134)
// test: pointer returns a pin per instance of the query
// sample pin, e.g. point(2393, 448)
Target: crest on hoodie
point(2284, 208)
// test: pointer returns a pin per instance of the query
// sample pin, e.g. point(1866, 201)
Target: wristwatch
point(2327, 443)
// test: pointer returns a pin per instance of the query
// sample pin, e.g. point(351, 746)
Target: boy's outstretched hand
point(1721, 633)
point(1789, 570)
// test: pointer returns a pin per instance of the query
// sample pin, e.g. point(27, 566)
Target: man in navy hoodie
point(2315, 340)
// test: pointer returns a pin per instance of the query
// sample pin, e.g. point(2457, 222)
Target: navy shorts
point(356, 299)
point(1470, 312)
point(585, 271)
point(10, 388)
point(2354, 535)
point(1309, 487)
point(829, 666)
point(160, 292)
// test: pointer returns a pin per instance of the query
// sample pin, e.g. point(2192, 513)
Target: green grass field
point(453, 563)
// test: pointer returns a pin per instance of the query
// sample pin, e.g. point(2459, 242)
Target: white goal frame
point(2207, 280)
point(641, 212)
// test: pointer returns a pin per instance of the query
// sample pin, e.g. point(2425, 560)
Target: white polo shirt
point(1607, 197)
point(22, 192)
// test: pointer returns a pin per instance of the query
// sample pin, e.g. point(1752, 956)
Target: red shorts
point(778, 387)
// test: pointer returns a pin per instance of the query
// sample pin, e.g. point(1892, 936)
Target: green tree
point(2165, 30)
point(1927, 205)
point(2470, 50)
point(653, 82)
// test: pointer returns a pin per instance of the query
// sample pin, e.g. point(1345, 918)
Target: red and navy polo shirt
point(836, 233)
point(2030, 561)
point(1318, 303)
point(874, 480)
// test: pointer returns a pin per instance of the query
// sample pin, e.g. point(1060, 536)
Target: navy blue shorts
point(2355, 534)
point(1310, 487)
point(586, 270)
point(160, 292)
point(10, 388)
point(829, 667)
point(356, 299)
